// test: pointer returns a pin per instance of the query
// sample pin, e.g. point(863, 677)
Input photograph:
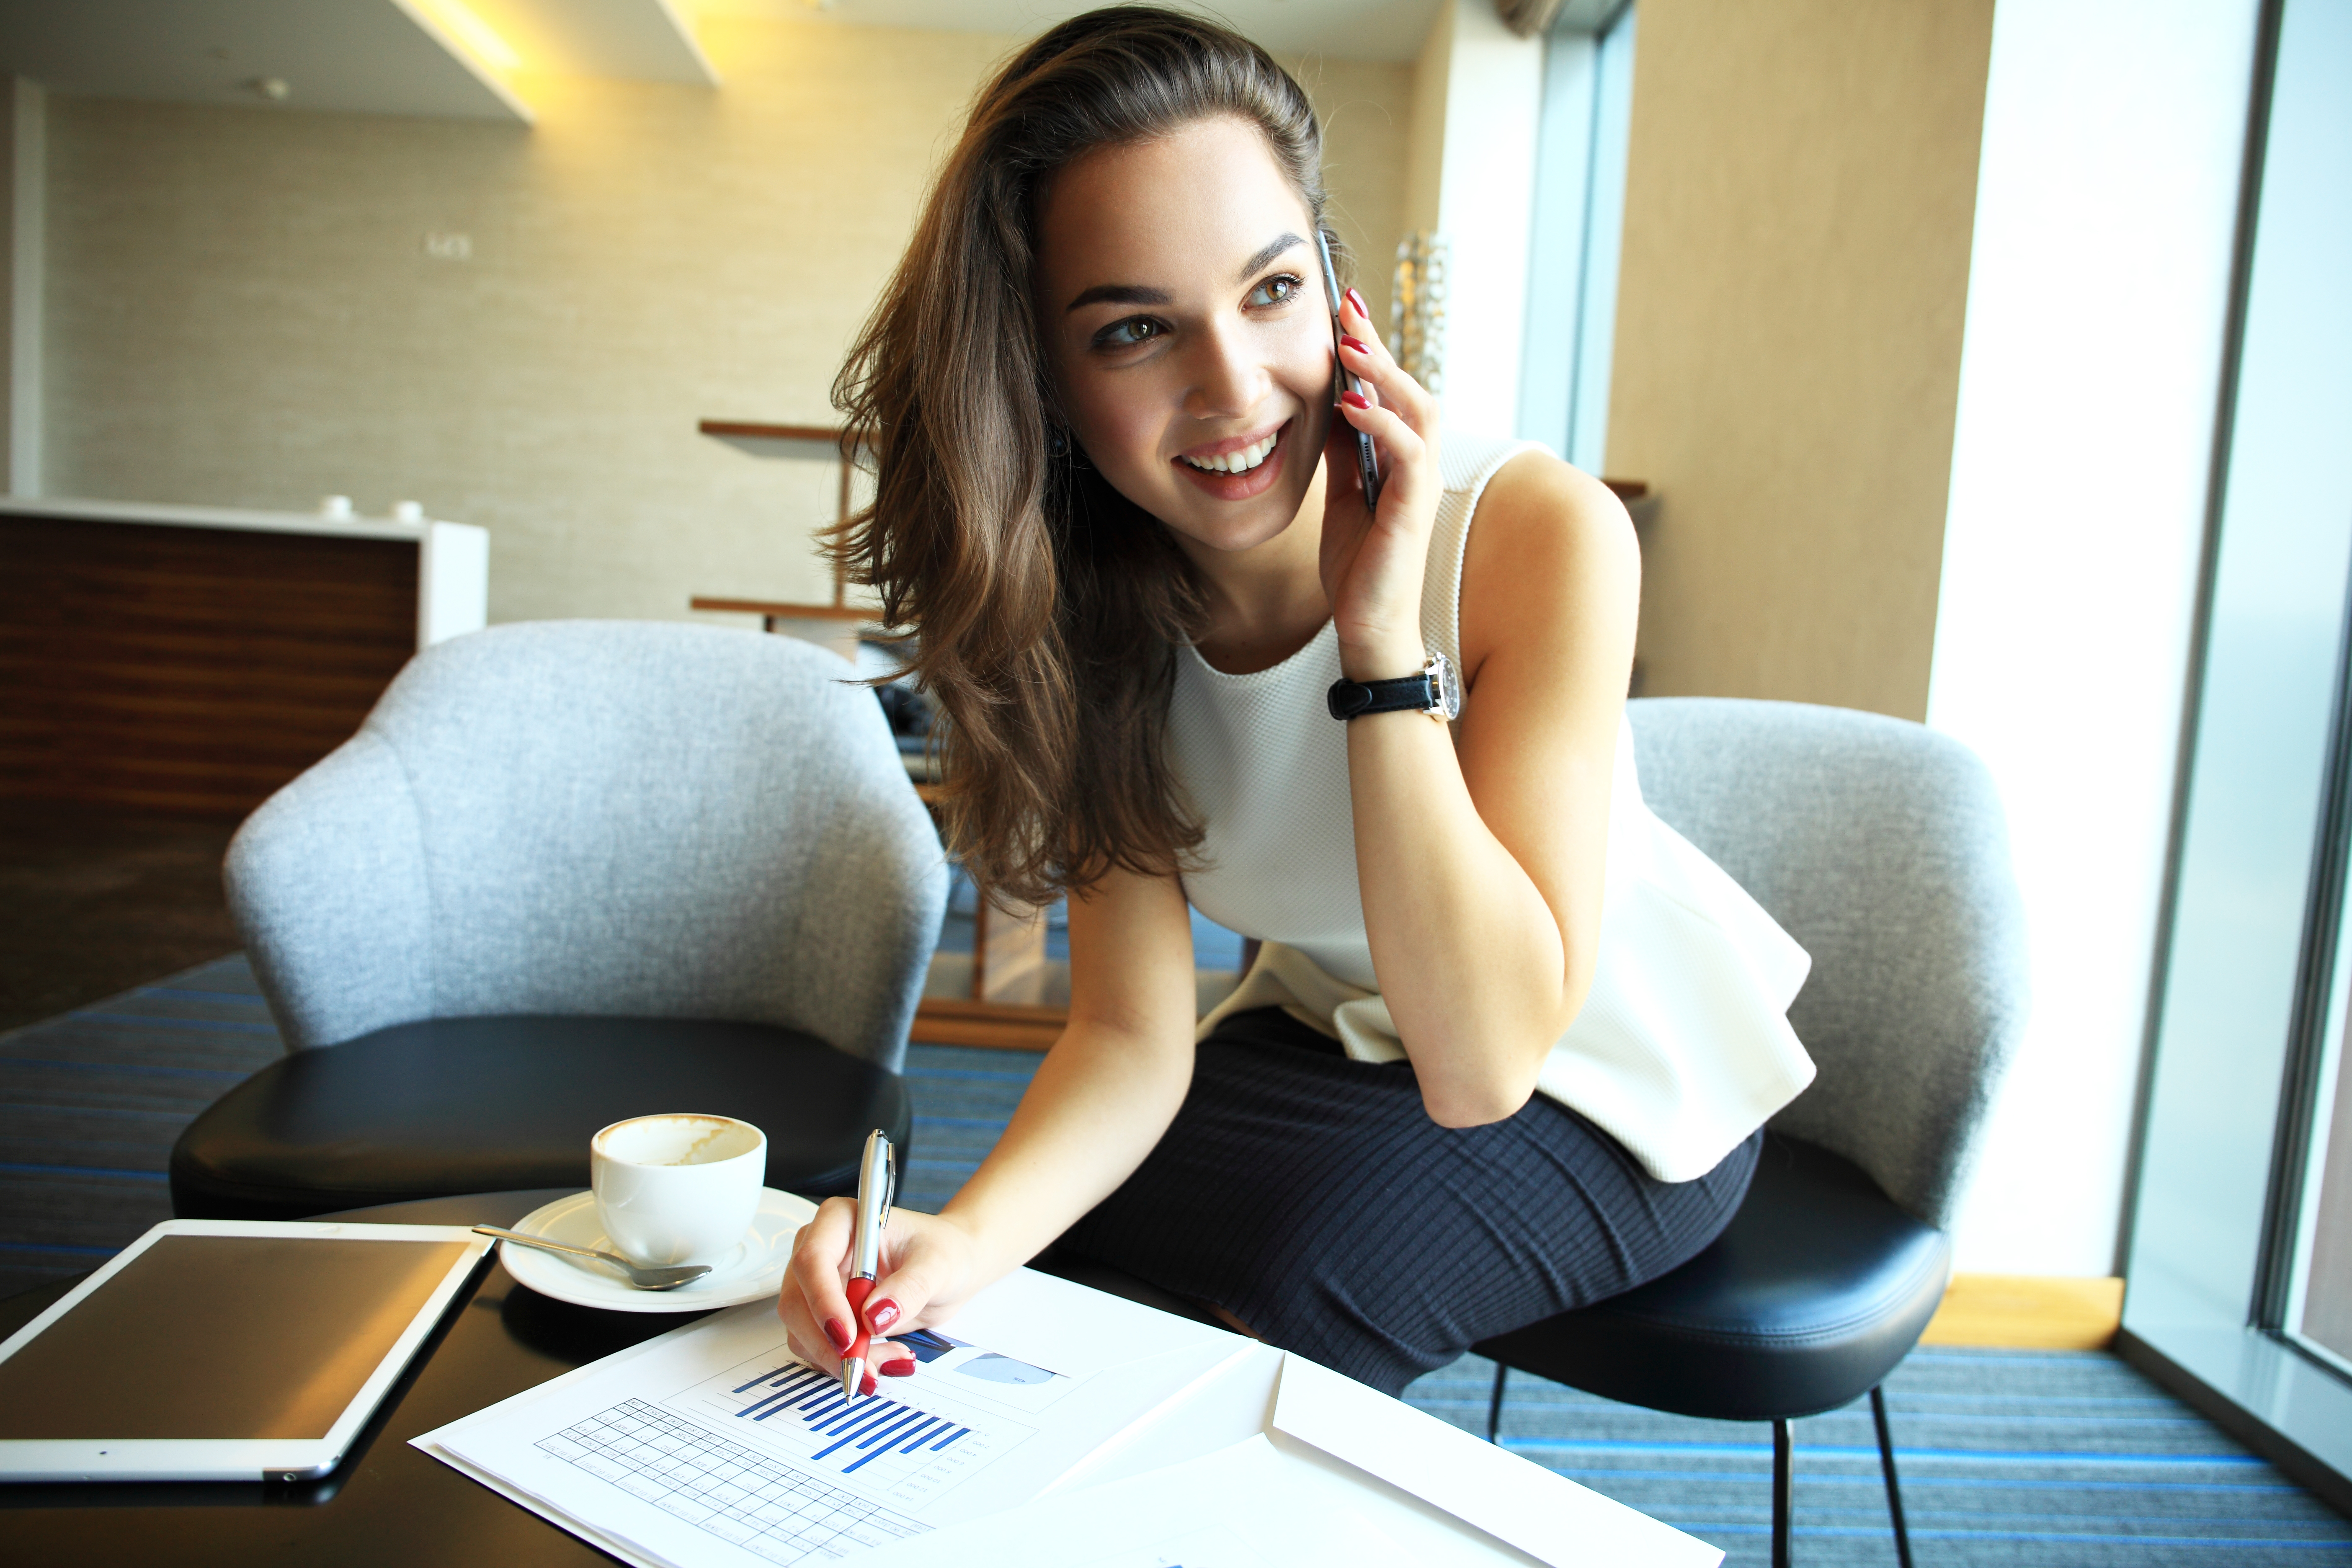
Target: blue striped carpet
point(2008, 1458)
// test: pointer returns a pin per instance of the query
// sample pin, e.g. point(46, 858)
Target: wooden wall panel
point(1800, 203)
point(191, 670)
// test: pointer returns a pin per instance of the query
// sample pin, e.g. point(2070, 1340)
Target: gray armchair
point(1880, 846)
point(607, 868)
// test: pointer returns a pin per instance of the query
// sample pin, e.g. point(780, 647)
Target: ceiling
point(447, 58)
point(367, 56)
point(458, 58)
point(1348, 29)
point(641, 40)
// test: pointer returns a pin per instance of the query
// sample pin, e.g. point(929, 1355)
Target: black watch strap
point(1414, 693)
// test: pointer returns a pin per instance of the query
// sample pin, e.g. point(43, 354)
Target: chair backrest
point(1880, 846)
point(632, 818)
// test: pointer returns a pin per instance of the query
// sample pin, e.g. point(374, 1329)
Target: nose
point(1224, 379)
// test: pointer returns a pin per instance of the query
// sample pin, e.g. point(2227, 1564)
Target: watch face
point(1449, 690)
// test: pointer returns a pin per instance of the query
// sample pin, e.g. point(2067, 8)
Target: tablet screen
point(213, 1337)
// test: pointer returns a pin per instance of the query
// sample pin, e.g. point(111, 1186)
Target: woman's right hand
point(1099, 1101)
point(929, 1268)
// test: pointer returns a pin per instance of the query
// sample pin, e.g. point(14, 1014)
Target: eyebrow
point(1122, 294)
point(1137, 294)
point(1256, 264)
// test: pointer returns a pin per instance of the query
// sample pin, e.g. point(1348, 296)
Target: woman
point(1115, 500)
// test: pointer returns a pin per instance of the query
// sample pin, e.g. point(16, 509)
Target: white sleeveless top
point(1683, 1046)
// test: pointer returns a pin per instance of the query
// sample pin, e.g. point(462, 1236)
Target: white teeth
point(1240, 462)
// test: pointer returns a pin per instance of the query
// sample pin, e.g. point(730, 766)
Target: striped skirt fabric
point(1310, 1197)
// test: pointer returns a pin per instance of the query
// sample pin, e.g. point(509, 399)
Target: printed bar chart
point(868, 1429)
point(904, 1446)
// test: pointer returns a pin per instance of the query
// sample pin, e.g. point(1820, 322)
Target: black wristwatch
point(1434, 691)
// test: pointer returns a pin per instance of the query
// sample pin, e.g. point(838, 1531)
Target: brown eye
point(1274, 291)
point(1128, 334)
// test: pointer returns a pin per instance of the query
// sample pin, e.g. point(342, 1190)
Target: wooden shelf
point(776, 610)
point(754, 430)
point(757, 438)
point(997, 1026)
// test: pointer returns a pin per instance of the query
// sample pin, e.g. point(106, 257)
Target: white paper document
point(1134, 1439)
point(712, 1446)
point(1246, 1506)
point(1546, 1515)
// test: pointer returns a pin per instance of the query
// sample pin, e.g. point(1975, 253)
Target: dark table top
point(386, 1504)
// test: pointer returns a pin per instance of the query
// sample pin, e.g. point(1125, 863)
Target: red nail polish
point(838, 1333)
point(1355, 400)
point(1358, 300)
point(1356, 344)
point(899, 1368)
point(884, 1313)
point(868, 1387)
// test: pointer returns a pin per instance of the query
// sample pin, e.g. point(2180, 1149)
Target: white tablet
point(221, 1349)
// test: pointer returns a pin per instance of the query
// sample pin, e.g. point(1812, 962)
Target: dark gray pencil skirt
point(1312, 1197)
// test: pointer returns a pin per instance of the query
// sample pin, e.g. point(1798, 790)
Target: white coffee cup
point(678, 1188)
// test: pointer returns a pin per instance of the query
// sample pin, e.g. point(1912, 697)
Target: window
point(2239, 1256)
point(1579, 211)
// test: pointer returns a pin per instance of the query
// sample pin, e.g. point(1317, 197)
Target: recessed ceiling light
point(272, 87)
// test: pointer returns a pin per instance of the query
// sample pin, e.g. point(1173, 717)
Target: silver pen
point(877, 1183)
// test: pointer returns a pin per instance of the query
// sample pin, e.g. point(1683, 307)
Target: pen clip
point(889, 1181)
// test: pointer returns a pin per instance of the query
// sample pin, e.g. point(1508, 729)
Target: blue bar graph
point(871, 1428)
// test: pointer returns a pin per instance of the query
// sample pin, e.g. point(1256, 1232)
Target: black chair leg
point(1495, 1405)
point(1894, 1486)
point(1781, 1499)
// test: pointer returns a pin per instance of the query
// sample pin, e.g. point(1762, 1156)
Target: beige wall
point(241, 311)
point(1800, 188)
point(1367, 110)
point(1426, 155)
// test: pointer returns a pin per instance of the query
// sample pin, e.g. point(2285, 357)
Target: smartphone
point(1367, 465)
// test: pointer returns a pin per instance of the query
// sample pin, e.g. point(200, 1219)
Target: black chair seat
point(1816, 1290)
point(448, 1106)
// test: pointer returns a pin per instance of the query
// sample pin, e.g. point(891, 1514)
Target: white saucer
point(754, 1270)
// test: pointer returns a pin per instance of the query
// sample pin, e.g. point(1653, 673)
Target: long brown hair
point(1046, 607)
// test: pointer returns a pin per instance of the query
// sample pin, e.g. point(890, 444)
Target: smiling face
point(1182, 307)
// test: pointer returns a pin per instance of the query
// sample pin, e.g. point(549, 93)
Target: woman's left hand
point(1373, 561)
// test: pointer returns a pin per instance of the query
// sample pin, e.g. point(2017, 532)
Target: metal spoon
point(643, 1279)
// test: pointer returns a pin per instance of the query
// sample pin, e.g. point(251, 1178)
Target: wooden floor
point(2018, 1312)
point(998, 1025)
point(97, 901)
